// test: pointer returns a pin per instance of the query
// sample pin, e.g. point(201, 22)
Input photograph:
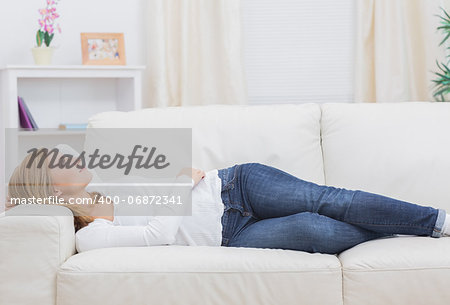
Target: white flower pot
point(42, 55)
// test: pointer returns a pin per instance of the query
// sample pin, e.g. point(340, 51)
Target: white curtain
point(194, 53)
point(396, 49)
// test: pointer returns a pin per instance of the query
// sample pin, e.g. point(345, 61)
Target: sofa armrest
point(34, 242)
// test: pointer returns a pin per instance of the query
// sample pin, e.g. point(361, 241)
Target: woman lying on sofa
point(245, 205)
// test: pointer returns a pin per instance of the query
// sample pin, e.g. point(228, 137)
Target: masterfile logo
point(96, 160)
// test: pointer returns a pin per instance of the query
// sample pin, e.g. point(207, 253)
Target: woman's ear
point(57, 192)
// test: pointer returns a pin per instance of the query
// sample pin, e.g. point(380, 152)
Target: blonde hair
point(29, 181)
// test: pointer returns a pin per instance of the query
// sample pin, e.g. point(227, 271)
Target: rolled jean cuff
point(437, 231)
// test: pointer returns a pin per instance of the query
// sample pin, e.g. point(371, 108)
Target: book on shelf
point(25, 117)
point(70, 126)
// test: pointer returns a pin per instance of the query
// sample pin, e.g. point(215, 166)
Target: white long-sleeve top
point(203, 228)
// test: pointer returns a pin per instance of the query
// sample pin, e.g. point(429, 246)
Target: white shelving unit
point(61, 94)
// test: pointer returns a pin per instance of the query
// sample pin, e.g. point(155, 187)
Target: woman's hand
point(195, 174)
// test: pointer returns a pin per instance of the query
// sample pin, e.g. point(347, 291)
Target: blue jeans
point(266, 207)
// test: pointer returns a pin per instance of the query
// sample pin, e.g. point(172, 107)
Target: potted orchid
point(43, 52)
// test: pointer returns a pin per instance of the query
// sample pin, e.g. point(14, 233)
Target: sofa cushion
point(398, 270)
point(285, 136)
point(185, 275)
point(401, 150)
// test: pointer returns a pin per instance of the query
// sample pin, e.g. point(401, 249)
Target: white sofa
point(397, 149)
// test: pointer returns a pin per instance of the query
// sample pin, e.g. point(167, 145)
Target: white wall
point(18, 23)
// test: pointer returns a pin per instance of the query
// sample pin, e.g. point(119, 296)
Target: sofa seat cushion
point(183, 275)
point(397, 270)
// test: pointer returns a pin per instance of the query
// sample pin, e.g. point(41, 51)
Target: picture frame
point(103, 49)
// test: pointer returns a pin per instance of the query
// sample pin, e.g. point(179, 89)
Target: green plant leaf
point(443, 20)
point(445, 39)
point(442, 91)
point(442, 76)
point(447, 70)
point(445, 12)
point(48, 38)
point(442, 81)
point(39, 37)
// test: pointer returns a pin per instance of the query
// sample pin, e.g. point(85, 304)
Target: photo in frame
point(103, 49)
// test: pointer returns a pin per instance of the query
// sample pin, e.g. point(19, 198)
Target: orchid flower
point(47, 23)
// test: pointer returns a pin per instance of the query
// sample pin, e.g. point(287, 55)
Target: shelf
point(72, 71)
point(51, 132)
point(61, 93)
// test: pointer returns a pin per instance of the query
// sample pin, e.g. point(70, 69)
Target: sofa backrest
point(400, 150)
point(284, 136)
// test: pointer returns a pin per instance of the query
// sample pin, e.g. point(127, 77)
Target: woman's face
point(69, 180)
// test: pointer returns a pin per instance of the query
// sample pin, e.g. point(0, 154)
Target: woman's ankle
point(446, 226)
